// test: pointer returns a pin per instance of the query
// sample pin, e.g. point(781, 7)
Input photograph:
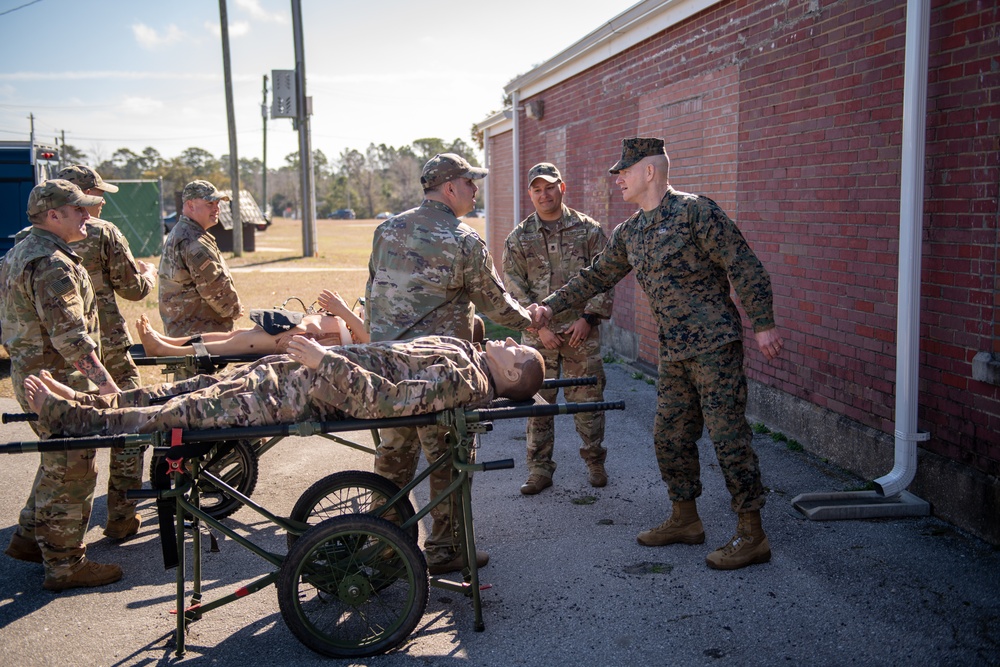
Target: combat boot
point(536, 484)
point(90, 574)
point(597, 475)
point(22, 548)
point(747, 547)
point(683, 526)
point(119, 530)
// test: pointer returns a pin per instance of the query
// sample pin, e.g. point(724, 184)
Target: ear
point(511, 374)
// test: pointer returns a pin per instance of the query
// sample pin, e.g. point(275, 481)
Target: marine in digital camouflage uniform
point(113, 271)
point(428, 273)
point(541, 254)
point(369, 381)
point(686, 252)
point(50, 322)
point(197, 293)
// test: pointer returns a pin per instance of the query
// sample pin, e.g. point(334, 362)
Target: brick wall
point(790, 115)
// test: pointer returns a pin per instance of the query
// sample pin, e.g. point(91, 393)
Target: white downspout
point(911, 213)
point(486, 181)
point(515, 101)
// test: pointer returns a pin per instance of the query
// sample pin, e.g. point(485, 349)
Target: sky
point(138, 73)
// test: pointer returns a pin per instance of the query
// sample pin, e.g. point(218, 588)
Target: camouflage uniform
point(113, 270)
point(428, 273)
point(50, 322)
point(685, 254)
point(538, 258)
point(370, 381)
point(197, 294)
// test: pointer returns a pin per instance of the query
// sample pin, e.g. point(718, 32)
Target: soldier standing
point(541, 254)
point(686, 252)
point(197, 294)
point(113, 270)
point(427, 275)
point(50, 322)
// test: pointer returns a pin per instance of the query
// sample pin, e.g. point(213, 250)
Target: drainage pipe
point(911, 213)
point(515, 103)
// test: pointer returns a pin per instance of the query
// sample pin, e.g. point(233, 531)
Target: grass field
point(276, 271)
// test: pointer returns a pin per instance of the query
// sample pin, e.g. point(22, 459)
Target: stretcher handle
point(502, 464)
point(11, 417)
point(555, 383)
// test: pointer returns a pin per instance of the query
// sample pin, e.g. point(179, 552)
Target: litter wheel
point(232, 461)
point(351, 492)
point(353, 586)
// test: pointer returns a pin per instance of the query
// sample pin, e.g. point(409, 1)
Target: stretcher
point(353, 582)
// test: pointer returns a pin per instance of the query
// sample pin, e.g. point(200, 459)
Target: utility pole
point(234, 160)
point(263, 177)
point(62, 149)
point(305, 143)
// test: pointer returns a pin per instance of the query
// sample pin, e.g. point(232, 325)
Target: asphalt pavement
point(568, 584)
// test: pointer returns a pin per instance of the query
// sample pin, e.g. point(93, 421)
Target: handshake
point(540, 316)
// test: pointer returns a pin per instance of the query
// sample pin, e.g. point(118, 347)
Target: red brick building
point(789, 115)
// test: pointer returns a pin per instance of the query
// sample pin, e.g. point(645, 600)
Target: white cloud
point(149, 38)
point(258, 13)
point(237, 29)
point(109, 75)
point(141, 105)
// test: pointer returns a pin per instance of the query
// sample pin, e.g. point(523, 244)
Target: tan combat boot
point(22, 548)
point(536, 484)
point(90, 574)
point(683, 526)
point(597, 475)
point(119, 530)
point(747, 547)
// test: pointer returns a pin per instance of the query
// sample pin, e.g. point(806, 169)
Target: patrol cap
point(86, 178)
point(56, 192)
point(445, 167)
point(546, 171)
point(202, 190)
point(636, 149)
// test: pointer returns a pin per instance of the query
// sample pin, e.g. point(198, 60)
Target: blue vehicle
point(23, 164)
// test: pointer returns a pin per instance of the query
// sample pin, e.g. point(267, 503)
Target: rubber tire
point(353, 586)
point(349, 492)
point(235, 462)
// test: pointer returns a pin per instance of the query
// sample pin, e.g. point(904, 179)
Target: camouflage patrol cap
point(56, 192)
point(636, 149)
point(86, 178)
point(202, 190)
point(445, 167)
point(546, 171)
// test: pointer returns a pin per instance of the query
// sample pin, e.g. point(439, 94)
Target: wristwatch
point(591, 319)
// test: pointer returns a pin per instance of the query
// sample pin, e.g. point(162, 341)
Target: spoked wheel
point(351, 492)
point(353, 586)
point(232, 461)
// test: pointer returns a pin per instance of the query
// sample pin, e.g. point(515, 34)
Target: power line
point(21, 7)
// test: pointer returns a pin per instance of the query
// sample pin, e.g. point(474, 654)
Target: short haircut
point(532, 375)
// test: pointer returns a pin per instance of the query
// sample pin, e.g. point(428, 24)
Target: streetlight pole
point(305, 148)
point(263, 178)
point(234, 160)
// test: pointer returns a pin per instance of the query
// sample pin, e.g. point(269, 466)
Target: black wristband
point(591, 319)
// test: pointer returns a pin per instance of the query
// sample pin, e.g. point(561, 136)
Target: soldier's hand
point(550, 339)
point(306, 351)
point(769, 342)
point(578, 332)
point(147, 270)
point(333, 303)
point(540, 315)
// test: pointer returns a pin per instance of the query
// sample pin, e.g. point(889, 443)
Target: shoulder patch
point(63, 286)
